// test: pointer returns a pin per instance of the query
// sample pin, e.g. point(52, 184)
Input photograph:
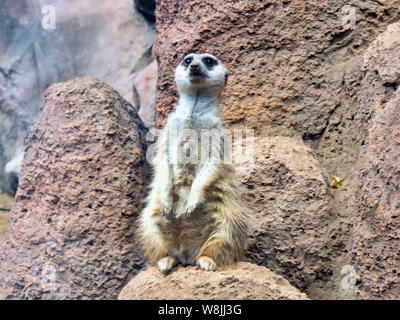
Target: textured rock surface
point(244, 281)
point(296, 231)
point(81, 186)
point(281, 55)
point(297, 68)
point(107, 40)
point(376, 242)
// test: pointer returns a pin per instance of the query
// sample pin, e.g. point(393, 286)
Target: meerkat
point(194, 214)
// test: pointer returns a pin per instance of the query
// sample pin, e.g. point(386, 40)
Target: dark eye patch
point(187, 61)
point(210, 62)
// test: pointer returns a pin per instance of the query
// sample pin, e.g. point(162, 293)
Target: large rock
point(296, 69)
point(107, 40)
point(296, 231)
point(285, 58)
point(243, 281)
point(376, 240)
point(81, 186)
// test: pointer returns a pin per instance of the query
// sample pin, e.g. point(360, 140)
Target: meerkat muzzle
point(195, 72)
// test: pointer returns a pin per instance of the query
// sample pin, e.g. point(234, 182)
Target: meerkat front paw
point(190, 206)
point(206, 263)
point(193, 203)
point(166, 206)
point(166, 202)
point(166, 264)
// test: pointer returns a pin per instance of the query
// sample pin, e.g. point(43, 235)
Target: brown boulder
point(296, 231)
point(376, 240)
point(296, 69)
point(286, 59)
point(243, 281)
point(81, 185)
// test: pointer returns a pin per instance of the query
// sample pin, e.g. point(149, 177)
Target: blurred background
point(47, 41)
point(110, 40)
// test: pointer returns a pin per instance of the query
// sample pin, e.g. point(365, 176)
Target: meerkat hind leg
point(166, 264)
point(206, 263)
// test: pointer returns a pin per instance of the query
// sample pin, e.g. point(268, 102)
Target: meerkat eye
point(187, 61)
point(209, 61)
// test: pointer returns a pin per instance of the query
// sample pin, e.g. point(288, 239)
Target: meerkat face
point(200, 71)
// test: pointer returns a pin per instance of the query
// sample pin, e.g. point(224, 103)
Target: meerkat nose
point(194, 66)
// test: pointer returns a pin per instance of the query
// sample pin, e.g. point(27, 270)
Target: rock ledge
point(243, 281)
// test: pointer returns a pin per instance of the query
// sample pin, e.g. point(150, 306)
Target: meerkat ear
point(226, 78)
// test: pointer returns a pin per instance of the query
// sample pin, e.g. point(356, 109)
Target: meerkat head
point(200, 72)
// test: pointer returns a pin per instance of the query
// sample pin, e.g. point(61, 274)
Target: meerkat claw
point(191, 205)
point(166, 207)
point(206, 263)
point(190, 208)
point(166, 264)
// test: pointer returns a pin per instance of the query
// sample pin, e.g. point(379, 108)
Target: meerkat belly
point(185, 169)
point(188, 233)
